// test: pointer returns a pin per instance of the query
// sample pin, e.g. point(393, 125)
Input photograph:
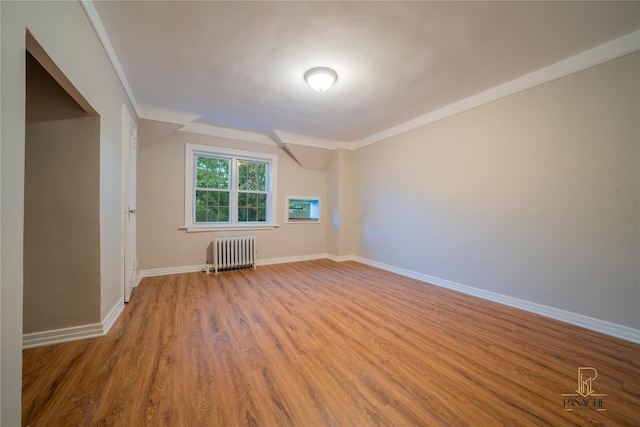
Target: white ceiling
point(240, 65)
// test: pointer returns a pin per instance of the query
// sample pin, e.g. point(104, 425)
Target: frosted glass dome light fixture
point(321, 78)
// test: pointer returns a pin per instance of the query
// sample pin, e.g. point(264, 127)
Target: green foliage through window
point(217, 186)
point(304, 209)
point(212, 206)
point(212, 172)
point(252, 176)
point(252, 196)
point(252, 207)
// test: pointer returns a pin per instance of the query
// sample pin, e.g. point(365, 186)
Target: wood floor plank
point(321, 343)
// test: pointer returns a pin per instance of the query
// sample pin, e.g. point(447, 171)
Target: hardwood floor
point(326, 344)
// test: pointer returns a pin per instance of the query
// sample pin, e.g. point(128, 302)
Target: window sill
point(204, 229)
point(303, 221)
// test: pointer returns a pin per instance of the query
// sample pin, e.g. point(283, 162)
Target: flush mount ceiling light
point(321, 78)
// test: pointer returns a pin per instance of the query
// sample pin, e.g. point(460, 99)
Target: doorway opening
point(61, 201)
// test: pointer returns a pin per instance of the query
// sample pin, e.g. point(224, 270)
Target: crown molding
point(98, 27)
point(582, 61)
point(310, 141)
point(151, 112)
point(606, 52)
point(236, 134)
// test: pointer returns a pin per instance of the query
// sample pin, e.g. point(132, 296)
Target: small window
point(303, 209)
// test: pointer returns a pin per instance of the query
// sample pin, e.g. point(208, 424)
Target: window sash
point(235, 209)
point(217, 208)
point(259, 211)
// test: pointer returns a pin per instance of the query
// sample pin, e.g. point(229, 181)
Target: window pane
point(224, 198)
point(212, 172)
point(212, 215)
point(201, 214)
point(252, 200)
point(242, 199)
point(223, 214)
point(252, 176)
point(299, 209)
point(304, 209)
point(212, 206)
point(242, 214)
point(201, 198)
point(252, 207)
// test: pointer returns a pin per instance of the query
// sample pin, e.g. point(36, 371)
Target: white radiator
point(234, 252)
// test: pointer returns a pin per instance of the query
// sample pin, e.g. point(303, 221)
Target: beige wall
point(62, 217)
point(534, 196)
point(65, 33)
point(339, 222)
point(161, 203)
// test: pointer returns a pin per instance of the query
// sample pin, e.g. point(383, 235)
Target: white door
point(130, 149)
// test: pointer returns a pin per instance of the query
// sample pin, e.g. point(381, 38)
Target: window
point(228, 188)
point(303, 209)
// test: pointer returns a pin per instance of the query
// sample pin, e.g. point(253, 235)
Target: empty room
point(320, 213)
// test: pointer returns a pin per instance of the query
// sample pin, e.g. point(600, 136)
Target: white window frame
point(303, 221)
point(194, 150)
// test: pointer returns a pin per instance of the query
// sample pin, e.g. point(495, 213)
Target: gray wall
point(534, 196)
point(62, 209)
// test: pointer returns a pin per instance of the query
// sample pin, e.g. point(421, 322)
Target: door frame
point(129, 202)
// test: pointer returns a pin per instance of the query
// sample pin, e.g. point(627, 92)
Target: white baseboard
point(111, 317)
point(73, 333)
point(608, 328)
point(170, 270)
point(57, 336)
point(138, 278)
point(340, 258)
point(282, 260)
point(202, 267)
